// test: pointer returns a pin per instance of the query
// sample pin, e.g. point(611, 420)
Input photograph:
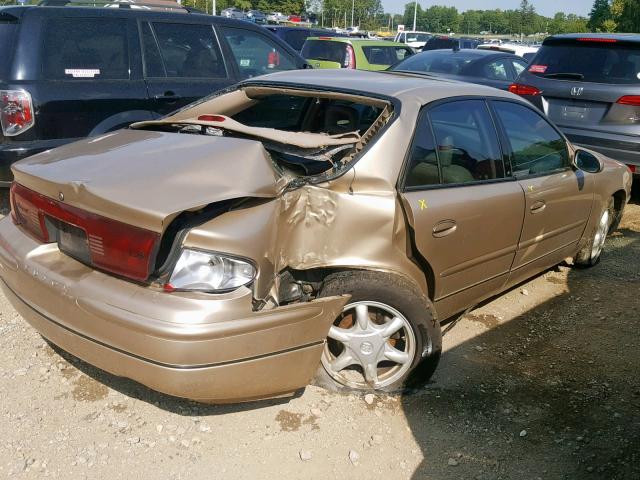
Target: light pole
point(213, 7)
point(415, 14)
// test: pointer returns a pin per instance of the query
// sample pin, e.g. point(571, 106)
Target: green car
point(361, 54)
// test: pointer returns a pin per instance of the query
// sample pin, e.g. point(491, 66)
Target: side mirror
point(587, 162)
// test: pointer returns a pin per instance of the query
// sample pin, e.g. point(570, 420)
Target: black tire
point(403, 296)
point(586, 257)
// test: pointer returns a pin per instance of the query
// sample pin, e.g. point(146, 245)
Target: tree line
point(615, 16)
point(524, 20)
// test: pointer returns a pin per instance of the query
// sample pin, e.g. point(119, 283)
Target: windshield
point(324, 50)
point(589, 62)
point(452, 63)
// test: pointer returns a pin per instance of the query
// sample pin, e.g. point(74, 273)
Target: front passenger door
point(558, 197)
point(464, 209)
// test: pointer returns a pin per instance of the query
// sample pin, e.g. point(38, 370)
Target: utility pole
point(415, 14)
point(353, 7)
point(213, 7)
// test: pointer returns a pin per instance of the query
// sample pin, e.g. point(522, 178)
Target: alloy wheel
point(600, 236)
point(370, 345)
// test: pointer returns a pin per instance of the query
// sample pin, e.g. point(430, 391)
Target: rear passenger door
point(462, 204)
point(182, 63)
point(558, 197)
point(90, 80)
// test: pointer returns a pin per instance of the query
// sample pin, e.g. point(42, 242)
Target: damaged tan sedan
point(304, 224)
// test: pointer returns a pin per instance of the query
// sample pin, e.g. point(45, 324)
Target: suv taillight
point(349, 58)
point(520, 89)
point(103, 243)
point(633, 100)
point(16, 112)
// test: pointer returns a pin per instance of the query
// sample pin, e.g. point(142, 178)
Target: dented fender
point(311, 227)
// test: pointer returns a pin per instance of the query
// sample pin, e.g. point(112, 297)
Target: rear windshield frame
point(594, 51)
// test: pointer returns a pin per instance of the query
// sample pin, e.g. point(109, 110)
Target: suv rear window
point(386, 55)
point(86, 48)
point(324, 50)
point(596, 62)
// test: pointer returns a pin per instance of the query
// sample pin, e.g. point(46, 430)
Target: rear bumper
point(210, 348)
point(12, 152)
point(624, 148)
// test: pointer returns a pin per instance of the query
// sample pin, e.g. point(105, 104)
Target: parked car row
point(260, 17)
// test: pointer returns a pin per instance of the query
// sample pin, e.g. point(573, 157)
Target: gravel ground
point(540, 383)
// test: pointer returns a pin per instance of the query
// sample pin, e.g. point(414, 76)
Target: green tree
point(600, 12)
point(626, 14)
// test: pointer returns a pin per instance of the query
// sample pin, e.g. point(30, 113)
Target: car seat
point(340, 119)
point(451, 173)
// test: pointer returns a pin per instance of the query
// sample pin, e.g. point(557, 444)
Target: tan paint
point(218, 347)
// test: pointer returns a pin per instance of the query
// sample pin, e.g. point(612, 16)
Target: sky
point(544, 7)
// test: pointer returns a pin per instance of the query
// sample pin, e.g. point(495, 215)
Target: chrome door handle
point(537, 207)
point(444, 228)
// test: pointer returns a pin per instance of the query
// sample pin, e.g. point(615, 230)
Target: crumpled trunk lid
point(146, 178)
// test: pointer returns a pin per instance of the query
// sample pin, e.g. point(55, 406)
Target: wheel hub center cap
point(366, 348)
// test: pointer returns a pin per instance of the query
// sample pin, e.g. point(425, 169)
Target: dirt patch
point(486, 319)
point(289, 421)
point(86, 389)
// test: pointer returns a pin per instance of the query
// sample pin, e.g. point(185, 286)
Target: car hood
point(146, 178)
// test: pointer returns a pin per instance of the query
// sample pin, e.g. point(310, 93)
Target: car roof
point(401, 86)
point(633, 37)
point(359, 41)
point(78, 11)
point(469, 51)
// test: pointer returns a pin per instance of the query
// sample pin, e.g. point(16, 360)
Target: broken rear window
point(306, 134)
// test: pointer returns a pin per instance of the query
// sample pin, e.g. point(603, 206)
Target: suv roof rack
point(128, 4)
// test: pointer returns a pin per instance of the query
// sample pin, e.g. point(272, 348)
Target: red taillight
point(273, 59)
point(349, 58)
point(211, 118)
point(632, 168)
point(597, 40)
point(113, 246)
point(630, 100)
point(520, 89)
point(16, 112)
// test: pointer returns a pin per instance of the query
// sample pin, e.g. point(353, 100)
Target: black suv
point(68, 72)
point(589, 85)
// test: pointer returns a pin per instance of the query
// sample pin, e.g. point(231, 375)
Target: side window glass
point(466, 142)
point(536, 146)
point(152, 60)
point(189, 51)
point(497, 70)
point(519, 66)
point(296, 38)
point(255, 54)
point(423, 162)
point(85, 48)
